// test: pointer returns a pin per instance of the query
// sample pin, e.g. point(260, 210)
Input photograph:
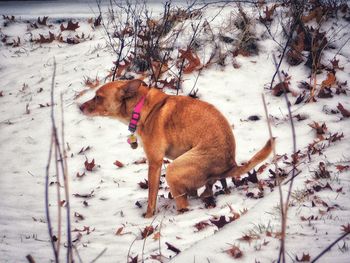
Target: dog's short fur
point(191, 132)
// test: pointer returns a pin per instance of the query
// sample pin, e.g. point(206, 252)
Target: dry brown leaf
point(91, 83)
point(235, 252)
point(70, 26)
point(118, 164)
point(342, 168)
point(346, 228)
point(143, 160)
point(89, 165)
point(248, 238)
point(192, 59)
point(201, 225)
point(329, 81)
point(43, 21)
point(280, 88)
point(143, 185)
point(147, 231)
point(304, 258)
point(119, 231)
point(315, 13)
point(343, 111)
point(156, 236)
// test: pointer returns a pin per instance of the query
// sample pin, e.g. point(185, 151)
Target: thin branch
point(30, 258)
point(144, 241)
point(47, 205)
point(329, 247)
point(98, 256)
point(283, 54)
point(286, 205)
point(195, 30)
point(66, 186)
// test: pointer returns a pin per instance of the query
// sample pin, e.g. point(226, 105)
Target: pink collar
point(136, 114)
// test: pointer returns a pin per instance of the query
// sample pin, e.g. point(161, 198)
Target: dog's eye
point(98, 99)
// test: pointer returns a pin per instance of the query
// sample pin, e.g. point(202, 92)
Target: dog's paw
point(147, 215)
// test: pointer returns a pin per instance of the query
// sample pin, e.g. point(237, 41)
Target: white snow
point(25, 130)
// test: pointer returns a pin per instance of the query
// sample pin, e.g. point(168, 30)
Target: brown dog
point(191, 132)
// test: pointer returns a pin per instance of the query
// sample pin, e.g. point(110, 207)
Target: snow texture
point(25, 130)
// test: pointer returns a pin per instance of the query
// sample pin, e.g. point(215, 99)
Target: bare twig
point(283, 54)
point(66, 187)
point(98, 256)
point(61, 169)
point(286, 204)
point(47, 205)
point(30, 259)
point(330, 246)
point(144, 240)
point(129, 250)
point(195, 30)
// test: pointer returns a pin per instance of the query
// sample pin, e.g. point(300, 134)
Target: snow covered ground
point(107, 203)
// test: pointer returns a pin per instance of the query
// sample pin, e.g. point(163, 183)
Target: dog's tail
point(254, 161)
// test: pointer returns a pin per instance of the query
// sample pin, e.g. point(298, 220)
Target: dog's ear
point(131, 88)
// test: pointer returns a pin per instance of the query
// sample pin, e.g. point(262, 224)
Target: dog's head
point(115, 99)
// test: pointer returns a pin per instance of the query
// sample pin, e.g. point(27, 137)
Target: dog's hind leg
point(185, 173)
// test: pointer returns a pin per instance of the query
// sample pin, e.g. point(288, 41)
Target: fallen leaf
point(329, 81)
point(343, 111)
point(118, 164)
point(319, 128)
point(43, 40)
point(265, 243)
point(248, 238)
point(79, 216)
point(156, 236)
point(221, 222)
point(83, 150)
point(280, 88)
point(98, 21)
point(209, 202)
point(342, 168)
point(252, 177)
point(335, 137)
point(268, 13)
point(304, 258)
point(192, 59)
point(43, 21)
point(235, 252)
point(346, 228)
point(85, 229)
point(80, 175)
point(70, 26)
point(91, 194)
point(89, 165)
point(172, 248)
point(143, 185)
point(147, 231)
point(300, 98)
point(77, 238)
point(201, 225)
point(91, 83)
point(119, 231)
point(335, 64)
point(325, 93)
point(133, 259)
point(141, 161)
point(339, 190)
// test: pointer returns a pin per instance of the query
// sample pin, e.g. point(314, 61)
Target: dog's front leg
point(154, 168)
